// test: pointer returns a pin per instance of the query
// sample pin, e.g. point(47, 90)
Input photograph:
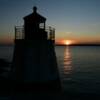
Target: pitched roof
point(35, 16)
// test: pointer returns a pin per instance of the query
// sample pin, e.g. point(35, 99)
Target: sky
point(75, 20)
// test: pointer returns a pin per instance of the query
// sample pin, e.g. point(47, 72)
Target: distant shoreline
point(78, 45)
point(6, 44)
point(59, 45)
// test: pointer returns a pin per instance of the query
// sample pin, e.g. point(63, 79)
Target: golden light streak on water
point(67, 62)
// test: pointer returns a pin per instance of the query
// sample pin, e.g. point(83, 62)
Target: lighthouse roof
point(35, 17)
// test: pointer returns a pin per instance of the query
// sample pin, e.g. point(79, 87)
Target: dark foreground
point(13, 92)
point(48, 95)
point(9, 90)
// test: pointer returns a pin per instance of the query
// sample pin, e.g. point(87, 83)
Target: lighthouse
point(34, 60)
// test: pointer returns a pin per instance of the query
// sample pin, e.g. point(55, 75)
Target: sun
point(67, 42)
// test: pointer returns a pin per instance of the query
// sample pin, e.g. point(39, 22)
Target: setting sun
point(68, 42)
point(65, 42)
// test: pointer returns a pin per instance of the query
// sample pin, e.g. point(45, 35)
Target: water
point(6, 52)
point(79, 67)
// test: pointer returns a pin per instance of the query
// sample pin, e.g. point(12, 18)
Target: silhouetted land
point(78, 45)
point(7, 44)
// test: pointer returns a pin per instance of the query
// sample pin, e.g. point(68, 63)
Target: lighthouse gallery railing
point(20, 34)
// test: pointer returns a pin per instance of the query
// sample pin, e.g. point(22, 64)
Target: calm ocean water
point(79, 66)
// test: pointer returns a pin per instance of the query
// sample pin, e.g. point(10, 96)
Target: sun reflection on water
point(67, 62)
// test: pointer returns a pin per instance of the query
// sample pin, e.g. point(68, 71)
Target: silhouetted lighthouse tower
point(34, 56)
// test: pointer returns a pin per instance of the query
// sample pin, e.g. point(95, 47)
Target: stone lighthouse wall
point(35, 61)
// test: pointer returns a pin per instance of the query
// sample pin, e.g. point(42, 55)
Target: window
point(41, 25)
